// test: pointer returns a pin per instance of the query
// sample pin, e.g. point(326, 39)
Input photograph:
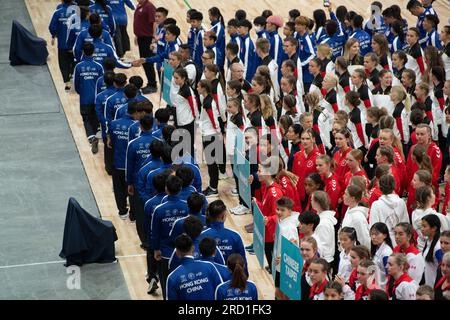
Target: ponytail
point(434, 222)
point(236, 265)
point(215, 12)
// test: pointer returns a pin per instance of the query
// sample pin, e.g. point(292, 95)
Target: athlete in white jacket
point(357, 218)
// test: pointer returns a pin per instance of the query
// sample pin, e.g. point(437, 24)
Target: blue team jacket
point(219, 30)
point(198, 48)
point(187, 191)
point(118, 10)
point(177, 227)
point(103, 51)
point(58, 24)
point(228, 241)
point(107, 16)
point(306, 53)
point(149, 189)
point(149, 208)
point(138, 150)
point(175, 261)
point(85, 37)
point(365, 42)
point(163, 218)
point(118, 131)
point(247, 56)
point(100, 101)
point(157, 130)
point(171, 46)
point(113, 103)
point(226, 292)
point(336, 42)
point(276, 48)
point(85, 77)
point(149, 165)
point(225, 273)
point(193, 280)
point(189, 161)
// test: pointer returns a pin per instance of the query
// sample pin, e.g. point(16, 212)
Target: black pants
point(90, 120)
point(145, 52)
point(66, 64)
point(152, 264)
point(108, 155)
point(213, 159)
point(268, 250)
point(163, 272)
point(120, 190)
point(191, 130)
point(138, 206)
point(121, 40)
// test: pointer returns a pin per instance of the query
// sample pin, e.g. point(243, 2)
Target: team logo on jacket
point(333, 184)
point(124, 127)
point(309, 164)
point(191, 276)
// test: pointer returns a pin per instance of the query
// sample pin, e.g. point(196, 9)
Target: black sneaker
point(94, 145)
point(208, 192)
point(149, 89)
point(152, 286)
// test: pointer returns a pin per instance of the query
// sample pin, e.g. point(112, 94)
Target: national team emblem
point(309, 164)
point(191, 276)
point(237, 291)
point(124, 127)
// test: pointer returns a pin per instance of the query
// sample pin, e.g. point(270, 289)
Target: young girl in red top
point(325, 166)
point(354, 158)
point(342, 139)
point(388, 138)
point(288, 181)
point(305, 160)
point(374, 189)
point(313, 182)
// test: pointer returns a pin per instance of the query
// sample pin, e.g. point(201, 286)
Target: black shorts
point(277, 279)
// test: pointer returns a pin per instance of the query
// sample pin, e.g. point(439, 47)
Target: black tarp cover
point(25, 47)
point(87, 239)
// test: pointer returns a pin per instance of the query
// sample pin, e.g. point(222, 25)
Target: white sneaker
point(124, 216)
point(241, 211)
point(234, 192)
point(233, 210)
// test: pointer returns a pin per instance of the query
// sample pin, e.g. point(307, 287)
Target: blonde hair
point(331, 78)
point(325, 50)
point(401, 260)
point(357, 154)
point(350, 42)
point(395, 140)
point(283, 172)
point(311, 241)
point(360, 182)
point(403, 96)
point(313, 101)
point(266, 106)
point(322, 198)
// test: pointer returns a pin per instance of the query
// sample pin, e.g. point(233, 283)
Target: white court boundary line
point(62, 262)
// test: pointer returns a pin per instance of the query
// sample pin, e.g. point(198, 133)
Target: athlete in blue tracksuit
point(121, 38)
point(152, 162)
point(86, 74)
point(114, 102)
point(105, 12)
point(146, 189)
point(209, 252)
point(347, 31)
point(306, 53)
point(163, 218)
point(226, 292)
point(189, 161)
point(228, 241)
point(118, 139)
point(103, 50)
point(376, 25)
point(58, 29)
point(193, 279)
point(218, 60)
point(171, 46)
point(248, 56)
point(100, 100)
point(219, 30)
point(276, 49)
point(198, 47)
point(336, 40)
point(76, 24)
point(83, 37)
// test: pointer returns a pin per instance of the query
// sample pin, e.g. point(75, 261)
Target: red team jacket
point(290, 191)
point(269, 209)
point(302, 166)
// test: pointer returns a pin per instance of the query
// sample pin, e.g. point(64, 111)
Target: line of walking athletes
point(355, 114)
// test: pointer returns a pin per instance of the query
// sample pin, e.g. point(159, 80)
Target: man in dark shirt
point(144, 29)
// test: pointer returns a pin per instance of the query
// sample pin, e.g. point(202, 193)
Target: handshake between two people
point(138, 62)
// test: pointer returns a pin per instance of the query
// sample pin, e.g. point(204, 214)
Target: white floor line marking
point(62, 262)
